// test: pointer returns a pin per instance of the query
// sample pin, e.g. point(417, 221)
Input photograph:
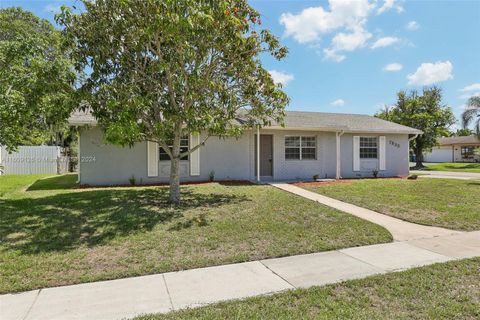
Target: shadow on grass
point(64, 222)
point(66, 181)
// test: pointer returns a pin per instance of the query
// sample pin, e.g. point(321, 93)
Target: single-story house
point(330, 145)
point(455, 149)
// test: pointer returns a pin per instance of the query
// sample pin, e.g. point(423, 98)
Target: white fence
point(31, 160)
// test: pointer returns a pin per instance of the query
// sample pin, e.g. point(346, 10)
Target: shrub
point(132, 180)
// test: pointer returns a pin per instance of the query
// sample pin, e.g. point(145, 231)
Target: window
point(368, 148)
point(300, 148)
point(183, 147)
point(467, 152)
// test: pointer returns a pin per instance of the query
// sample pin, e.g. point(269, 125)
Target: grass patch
point(52, 233)
point(441, 291)
point(448, 203)
point(456, 167)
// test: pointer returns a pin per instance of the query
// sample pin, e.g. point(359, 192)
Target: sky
point(353, 56)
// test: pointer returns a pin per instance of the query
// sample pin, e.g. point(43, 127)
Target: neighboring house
point(455, 149)
point(329, 145)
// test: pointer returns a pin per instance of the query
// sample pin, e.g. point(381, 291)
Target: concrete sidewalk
point(126, 298)
point(401, 230)
point(447, 174)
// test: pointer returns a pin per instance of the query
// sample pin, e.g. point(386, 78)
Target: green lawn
point(446, 203)
point(441, 291)
point(460, 167)
point(54, 234)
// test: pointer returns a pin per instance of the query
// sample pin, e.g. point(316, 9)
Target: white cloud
point(393, 67)
point(472, 87)
point(338, 103)
point(54, 8)
point(388, 5)
point(346, 42)
point(310, 24)
point(331, 54)
point(384, 42)
point(469, 95)
point(412, 25)
point(430, 73)
point(350, 41)
point(281, 77)
point(344, 20)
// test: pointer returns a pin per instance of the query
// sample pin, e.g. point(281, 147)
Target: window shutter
point(152, 159)
point(356, 153)
point(195, 156)
point(382, 153)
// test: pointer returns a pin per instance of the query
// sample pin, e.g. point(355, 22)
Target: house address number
point(395, 144)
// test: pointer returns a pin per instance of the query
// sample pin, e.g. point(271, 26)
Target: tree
point(462, 132)
point(36, 78)
point(472, 112)
point(163, 69)
point(424, 112)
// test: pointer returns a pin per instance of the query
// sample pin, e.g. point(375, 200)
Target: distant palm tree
point(472, 114)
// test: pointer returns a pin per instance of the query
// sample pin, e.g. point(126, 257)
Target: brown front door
point(266, 155)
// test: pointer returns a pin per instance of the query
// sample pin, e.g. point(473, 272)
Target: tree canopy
point(424, 112)
point(36, 78)
point(463, 132)
point(472, 114)
point(162, 69)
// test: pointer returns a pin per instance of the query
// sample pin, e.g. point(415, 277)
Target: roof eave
point(77, 123)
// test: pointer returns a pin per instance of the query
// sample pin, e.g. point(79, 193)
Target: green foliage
point(132, 180)
point(472, 114)
point(36, 78)
point(424, 112)
point(463, 132)
point(162, 69)
point(211, 176)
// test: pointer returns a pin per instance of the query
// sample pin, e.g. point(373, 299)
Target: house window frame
point(183, 148)
point(368, 147)
point(467, 155)
point(301, 147)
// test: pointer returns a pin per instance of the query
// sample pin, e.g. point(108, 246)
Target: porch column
point(337, 143)
point(258, 153)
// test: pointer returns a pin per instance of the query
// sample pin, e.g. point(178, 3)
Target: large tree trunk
point(175, 167)
point(175, 181)
point(418, 154)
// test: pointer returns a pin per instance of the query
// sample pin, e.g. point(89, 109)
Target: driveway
point(447, 174)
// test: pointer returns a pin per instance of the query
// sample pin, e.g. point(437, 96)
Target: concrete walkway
point(401, 230)
point(447, 174)
point(127, 298)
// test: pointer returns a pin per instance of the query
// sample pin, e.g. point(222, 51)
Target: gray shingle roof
point(445, 141)
point(344, 121)
point(79, 117)
point(308, 120)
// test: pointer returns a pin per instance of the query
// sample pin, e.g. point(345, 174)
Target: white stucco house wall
point(330, 145)
point(455, 149)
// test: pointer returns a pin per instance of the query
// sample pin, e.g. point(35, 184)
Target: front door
point(266, 155)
